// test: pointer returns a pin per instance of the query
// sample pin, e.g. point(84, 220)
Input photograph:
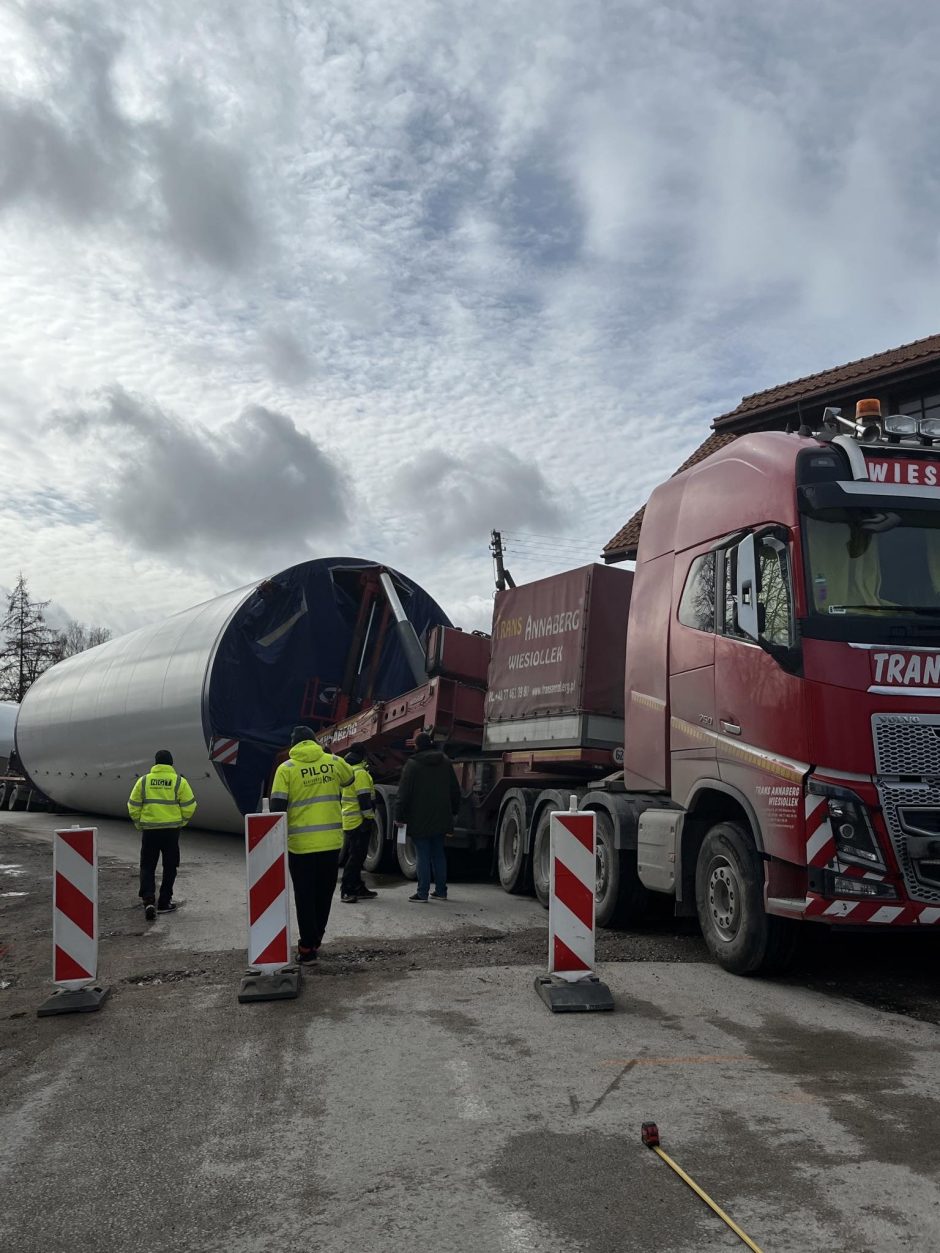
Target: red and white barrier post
point(270, 977)
point(571, 983)
point(74, 924)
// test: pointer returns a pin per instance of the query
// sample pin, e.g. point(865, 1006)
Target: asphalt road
point(418, 1095)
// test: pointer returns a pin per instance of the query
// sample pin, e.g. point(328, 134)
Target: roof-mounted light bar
point(870, 427)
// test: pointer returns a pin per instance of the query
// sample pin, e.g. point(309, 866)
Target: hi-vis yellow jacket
point(161, 799)
point(358, 799)
point(311, 782)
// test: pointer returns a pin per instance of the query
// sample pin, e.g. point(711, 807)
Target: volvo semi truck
point(780, 745)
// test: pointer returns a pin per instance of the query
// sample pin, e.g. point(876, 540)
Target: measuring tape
point(650, 1134)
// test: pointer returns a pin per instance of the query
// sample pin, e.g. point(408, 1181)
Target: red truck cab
point(788, 716)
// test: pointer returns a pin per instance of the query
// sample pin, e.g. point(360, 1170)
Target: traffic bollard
point(571, 983)
point(74, 924)
point(271, 976)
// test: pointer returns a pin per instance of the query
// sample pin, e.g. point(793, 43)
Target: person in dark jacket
point(428, 800)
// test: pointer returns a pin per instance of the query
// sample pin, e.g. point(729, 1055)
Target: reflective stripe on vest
point(312, 792)
point(160, 811)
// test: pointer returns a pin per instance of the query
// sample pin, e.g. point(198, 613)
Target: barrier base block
point(74, 1001)
point(282, 985)
point(586, 996)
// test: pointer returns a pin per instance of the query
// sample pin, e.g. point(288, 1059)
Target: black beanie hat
point(163, 757)
point(423, 742)
point(299, 734)
point(354, 754)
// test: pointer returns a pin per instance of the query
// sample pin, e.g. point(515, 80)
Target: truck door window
point(697, 606)
point(775, 594)
point(729, 623)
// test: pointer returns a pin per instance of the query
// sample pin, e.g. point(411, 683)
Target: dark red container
point(557, 660)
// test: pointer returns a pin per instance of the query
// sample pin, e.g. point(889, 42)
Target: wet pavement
point(419, 1096)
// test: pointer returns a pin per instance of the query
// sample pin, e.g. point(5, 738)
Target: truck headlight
point(851, 826)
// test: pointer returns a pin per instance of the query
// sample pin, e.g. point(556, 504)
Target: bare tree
point(27, 646)
point(77, 637)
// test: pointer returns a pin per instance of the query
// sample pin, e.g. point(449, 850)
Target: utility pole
point(503, 577)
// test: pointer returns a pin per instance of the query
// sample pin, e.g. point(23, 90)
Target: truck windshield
point(868, 562)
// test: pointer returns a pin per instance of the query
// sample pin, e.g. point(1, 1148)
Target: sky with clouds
point(371, 277)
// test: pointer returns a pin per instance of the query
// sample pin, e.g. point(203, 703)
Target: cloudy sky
point(371, 277)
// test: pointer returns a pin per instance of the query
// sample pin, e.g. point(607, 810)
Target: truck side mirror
point(747, 588)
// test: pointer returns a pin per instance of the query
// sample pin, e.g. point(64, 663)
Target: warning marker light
point(650, 1133)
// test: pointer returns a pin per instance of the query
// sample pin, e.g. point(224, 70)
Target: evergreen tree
point(27, 644)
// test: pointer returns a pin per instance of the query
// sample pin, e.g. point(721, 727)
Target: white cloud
point(570, 236)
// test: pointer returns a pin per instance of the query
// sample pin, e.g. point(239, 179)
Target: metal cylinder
point(219, 685)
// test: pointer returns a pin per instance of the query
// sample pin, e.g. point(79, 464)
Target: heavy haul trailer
point(528, 717)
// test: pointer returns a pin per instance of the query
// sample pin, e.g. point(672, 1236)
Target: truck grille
point(895, 797)
point(907, 747)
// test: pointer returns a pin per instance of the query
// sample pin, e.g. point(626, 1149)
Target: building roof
point(776, 404)
point(625, 541)
point(866, 370)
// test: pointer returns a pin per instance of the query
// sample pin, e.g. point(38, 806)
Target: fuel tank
point(219, 685)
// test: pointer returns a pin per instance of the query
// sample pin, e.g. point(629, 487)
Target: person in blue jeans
point(427, 803)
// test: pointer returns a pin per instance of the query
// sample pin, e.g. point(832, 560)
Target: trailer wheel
point(36, 803)
point(729, 892)
point(510, 846)
point(378, 854)
point(407, 859)
point(619, 896)
point(542, 857)
point(5, 791)
point(18, 797)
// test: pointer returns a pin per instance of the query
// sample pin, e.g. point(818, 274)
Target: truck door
point(692, 672)
point(758, 692)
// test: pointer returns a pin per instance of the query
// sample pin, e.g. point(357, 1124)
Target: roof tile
point(865, 369)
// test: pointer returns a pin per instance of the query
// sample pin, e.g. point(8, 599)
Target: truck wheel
point(542, 858)
point(510, 846)
point(619, 896)
point(18, 797)
point(5, 791)
point(378, 853)
point(407, 859)
point(729, 895)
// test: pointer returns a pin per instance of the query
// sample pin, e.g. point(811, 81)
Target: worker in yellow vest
point(308, 787)
point(358, 825)
point(161, 803)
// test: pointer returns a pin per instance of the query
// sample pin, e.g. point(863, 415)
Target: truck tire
point(729, 895)
point(542, 857)
point(510, 846)
point(18, 797)
point(379, 853)
point(5, 790)
point(36, 803)
point(407, 859)
point(620, 898)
